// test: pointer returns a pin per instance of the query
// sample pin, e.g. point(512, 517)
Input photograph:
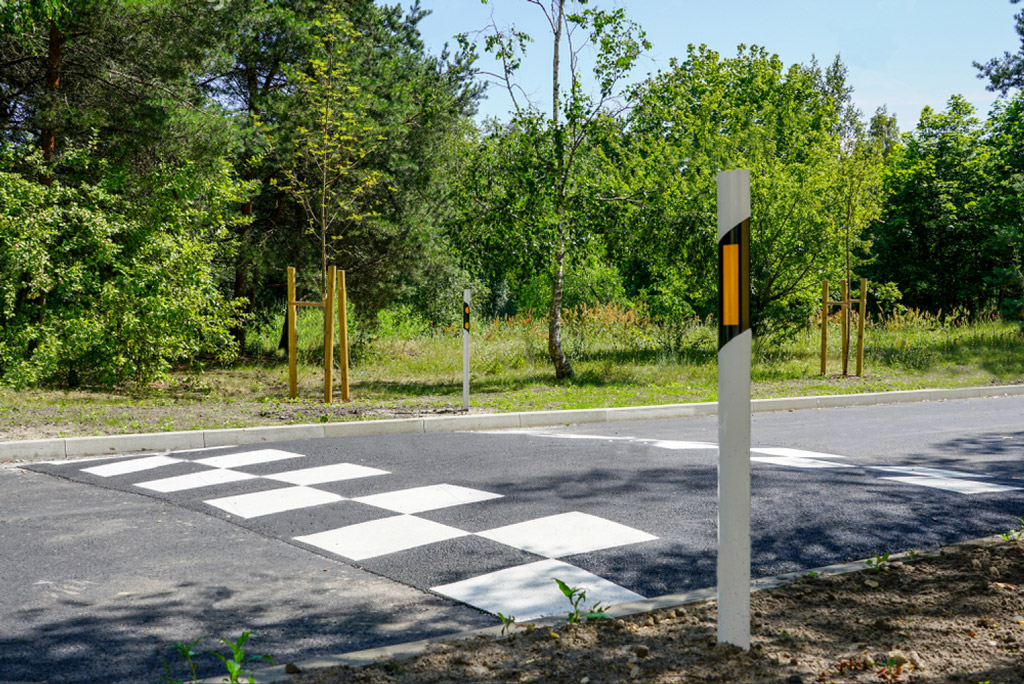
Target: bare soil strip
point(954, 617)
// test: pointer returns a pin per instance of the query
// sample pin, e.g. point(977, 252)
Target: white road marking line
point(921, 470)
point(792, 453)
point(381, 537)
point(678, 445)
point(429, 498)
point(328, 473)
point(195, 480)
point(533, 432)
point(792, 462)
point(953, 484)
point(133, 465)
point(271, 501)
point(247, 458)
point(565, 534)
point(570, 435)
point(529, 591)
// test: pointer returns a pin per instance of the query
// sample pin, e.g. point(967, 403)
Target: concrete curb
point(275, 675)
point(77, 447)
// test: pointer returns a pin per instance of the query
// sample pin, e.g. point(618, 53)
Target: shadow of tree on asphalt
point(801, 519)
point(114, 644)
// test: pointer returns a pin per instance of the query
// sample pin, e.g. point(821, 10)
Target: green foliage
point(931, 240)
point(506, 623)
point(400, 322)
point(589, 281)
point(1007, 72)
point(333, 136)
point(236, 661)
point(808, 191)
point(530, 200)
point(577, 597)
point(187, 654)
point(1016, 533)
point(101, 284)
point(950, 236)
point(878, 562)
point(122, 68)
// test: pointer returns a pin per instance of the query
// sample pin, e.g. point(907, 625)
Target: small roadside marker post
point(465, 350)
point(734, 348)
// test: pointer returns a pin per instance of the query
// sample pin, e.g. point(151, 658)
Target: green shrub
point(103, 285)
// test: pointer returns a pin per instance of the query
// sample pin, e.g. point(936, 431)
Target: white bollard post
point(734, 348)
point(465, 350)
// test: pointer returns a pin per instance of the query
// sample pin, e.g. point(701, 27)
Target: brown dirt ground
point(954, 617)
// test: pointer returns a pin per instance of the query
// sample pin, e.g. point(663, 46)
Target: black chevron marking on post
point(740, 287)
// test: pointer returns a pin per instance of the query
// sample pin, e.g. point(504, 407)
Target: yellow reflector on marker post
point(730, 285)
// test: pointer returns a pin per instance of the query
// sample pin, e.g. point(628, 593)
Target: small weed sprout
point(890, 670)
point(506, 623)
point(188, 653)
point(577, 596)
point(878, 562)
point(810, 576)
point(238, 658)
point(1016, 533)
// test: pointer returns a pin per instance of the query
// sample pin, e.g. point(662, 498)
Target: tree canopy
point(162, 162)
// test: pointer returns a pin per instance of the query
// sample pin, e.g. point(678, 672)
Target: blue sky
point(905, 54)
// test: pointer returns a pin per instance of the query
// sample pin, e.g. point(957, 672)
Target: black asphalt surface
point(200, 571)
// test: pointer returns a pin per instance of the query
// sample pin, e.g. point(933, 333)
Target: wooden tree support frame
point(846, 304)
point(335, 295)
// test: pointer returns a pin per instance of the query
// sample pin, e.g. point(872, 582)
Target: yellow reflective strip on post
point(730, 284)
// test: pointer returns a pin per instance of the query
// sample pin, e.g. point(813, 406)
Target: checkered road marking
point(536, 548)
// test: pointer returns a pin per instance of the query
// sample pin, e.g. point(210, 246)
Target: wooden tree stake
point(343, 334)
point(329, 335)
point(860, 325)
point(293, 376)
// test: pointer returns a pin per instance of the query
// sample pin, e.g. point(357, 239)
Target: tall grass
point(622, 356)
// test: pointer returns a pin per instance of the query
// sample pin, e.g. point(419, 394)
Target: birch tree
point(544, 189)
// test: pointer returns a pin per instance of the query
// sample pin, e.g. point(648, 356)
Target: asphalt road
point(337, 544)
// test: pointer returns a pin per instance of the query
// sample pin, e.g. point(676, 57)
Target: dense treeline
point(163, 161)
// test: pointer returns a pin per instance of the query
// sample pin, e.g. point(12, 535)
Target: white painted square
point(921, 470)
point(206, 478)
point(273, 501)
point(247, 458)
point(793, 462)
point(529, 591)
point(792, 453)
point(133, 465)
point(953, 484)
point(381, 537)
point(328, 473)
point(429, 498)
point(566, 534)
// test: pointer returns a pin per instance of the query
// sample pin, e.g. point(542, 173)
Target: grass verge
point(620, 359)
